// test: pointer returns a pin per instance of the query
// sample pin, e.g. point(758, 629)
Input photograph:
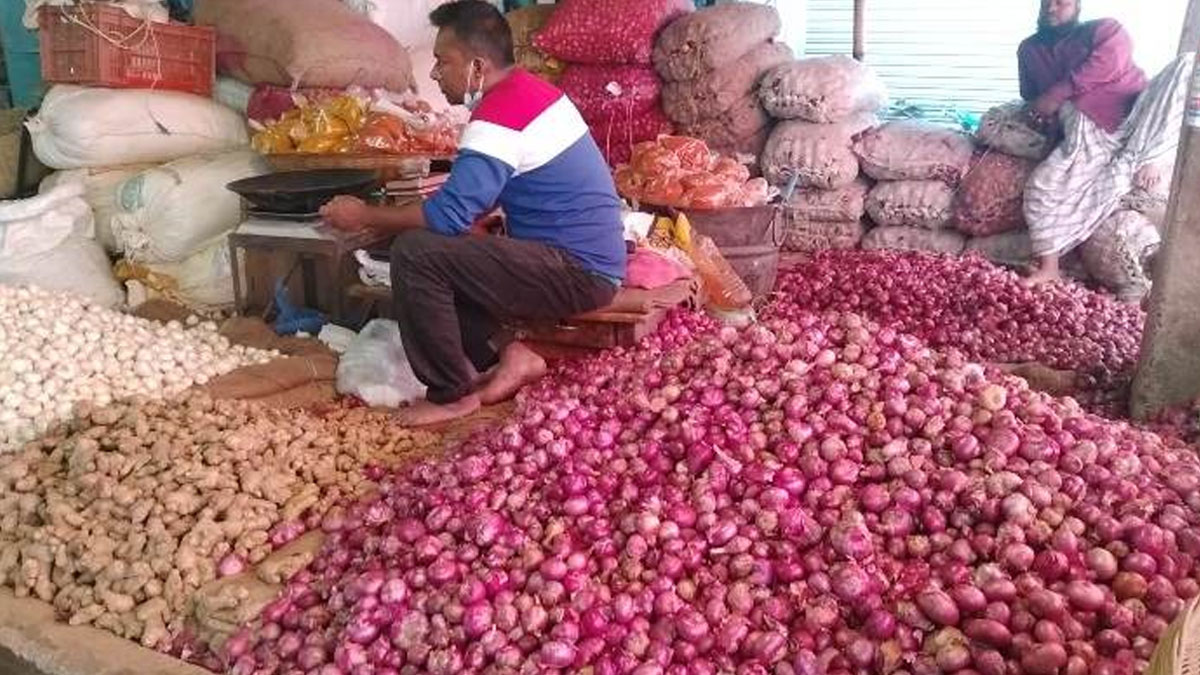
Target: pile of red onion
point(816, 495)
point(984, 310)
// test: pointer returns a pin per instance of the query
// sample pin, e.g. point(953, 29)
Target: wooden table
point(325, 258)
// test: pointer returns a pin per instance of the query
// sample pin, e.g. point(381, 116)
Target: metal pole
point(860, 49)
point(1168, 371)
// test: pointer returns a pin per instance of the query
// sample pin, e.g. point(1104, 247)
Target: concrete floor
point(11, 665)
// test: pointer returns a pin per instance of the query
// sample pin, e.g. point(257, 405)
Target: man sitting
point(527, 150)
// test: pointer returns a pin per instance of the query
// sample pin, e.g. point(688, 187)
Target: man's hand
point(1046, 107)
point(346, 213)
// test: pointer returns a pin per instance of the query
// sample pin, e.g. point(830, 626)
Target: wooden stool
point(272, 250)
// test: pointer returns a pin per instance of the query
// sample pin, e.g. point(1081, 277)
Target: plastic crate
point(100, 45)
point(21, 62)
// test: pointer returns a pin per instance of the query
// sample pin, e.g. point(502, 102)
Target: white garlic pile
point(57, 350)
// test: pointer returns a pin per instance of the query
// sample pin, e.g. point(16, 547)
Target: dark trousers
point(451, 294)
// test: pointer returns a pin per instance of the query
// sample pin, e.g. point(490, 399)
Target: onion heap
point(981, 309)
point(814, 495)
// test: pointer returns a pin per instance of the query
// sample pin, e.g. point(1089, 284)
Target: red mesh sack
point(607, 31)
point(990, 197)
point(618, 135)
point(588, 88)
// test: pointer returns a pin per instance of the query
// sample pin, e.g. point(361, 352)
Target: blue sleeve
point(475, 183)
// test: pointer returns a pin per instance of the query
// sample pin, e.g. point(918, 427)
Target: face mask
point(472, 98)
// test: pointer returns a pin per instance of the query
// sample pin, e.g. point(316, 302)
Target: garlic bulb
point(59, 350)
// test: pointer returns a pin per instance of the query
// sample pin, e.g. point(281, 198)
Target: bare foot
point(519, 366)
point(422, 413)
point(1042, 277)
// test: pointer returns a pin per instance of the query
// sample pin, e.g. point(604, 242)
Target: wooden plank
point(1168, 372)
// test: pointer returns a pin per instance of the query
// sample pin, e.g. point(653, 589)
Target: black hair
point(480, 26)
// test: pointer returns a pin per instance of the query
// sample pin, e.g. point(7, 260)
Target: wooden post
point(1168, 371)
point(860, 49)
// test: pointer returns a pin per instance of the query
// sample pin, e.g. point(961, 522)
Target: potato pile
point(60, 349)
point(120, 516)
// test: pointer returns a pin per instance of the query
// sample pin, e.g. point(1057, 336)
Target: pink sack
point(650, 270)
point(607, 31)
point(588, 88)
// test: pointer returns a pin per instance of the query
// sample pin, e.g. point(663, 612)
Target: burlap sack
point(990, 197)
point(1009, 249)
point(743, 129)
point(717, 36)
point(809, 236)
point(914, 239)
point(691, 101)
point(820, 155)
point(525, 24)
point(912, 150)
point(312, 43)
point(1006, 128)
point(1117, 253)
point(926, 204)
point(844, 205)
point(268, 379)
point(825, 89)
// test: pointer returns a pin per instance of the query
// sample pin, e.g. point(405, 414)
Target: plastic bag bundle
point(375, 369)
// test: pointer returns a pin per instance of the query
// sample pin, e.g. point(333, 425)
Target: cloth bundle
point(712, 61)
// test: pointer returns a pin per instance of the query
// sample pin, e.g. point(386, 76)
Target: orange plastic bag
point(663, 190)
point(693, 153)
point(725, 166)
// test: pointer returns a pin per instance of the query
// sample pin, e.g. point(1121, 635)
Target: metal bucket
point(750, 239)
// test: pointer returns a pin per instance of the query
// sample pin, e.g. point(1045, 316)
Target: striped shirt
point(528, 150)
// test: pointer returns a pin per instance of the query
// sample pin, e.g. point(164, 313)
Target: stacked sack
point(916, 166)
point(607, 47)
point(101, 141)
point(822, 104)
point(989, 205)
point(525, 24)
point(712, 61)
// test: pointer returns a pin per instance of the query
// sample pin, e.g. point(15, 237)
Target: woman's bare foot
point(423, 413)
point(519, 366)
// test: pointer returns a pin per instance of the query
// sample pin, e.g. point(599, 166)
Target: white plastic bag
point(375, 368)
point(100, 192)
point(173, 211)
point(36, 225)
point(79, 128)
point(77, 265)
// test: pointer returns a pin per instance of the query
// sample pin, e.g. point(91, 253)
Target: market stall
point(822, 428)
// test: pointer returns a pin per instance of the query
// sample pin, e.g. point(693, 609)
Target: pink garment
point(1091, 66)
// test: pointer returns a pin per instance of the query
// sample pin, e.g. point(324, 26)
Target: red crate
point(100, 45)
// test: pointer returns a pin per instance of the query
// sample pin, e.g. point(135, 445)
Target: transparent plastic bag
point(375, 368)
